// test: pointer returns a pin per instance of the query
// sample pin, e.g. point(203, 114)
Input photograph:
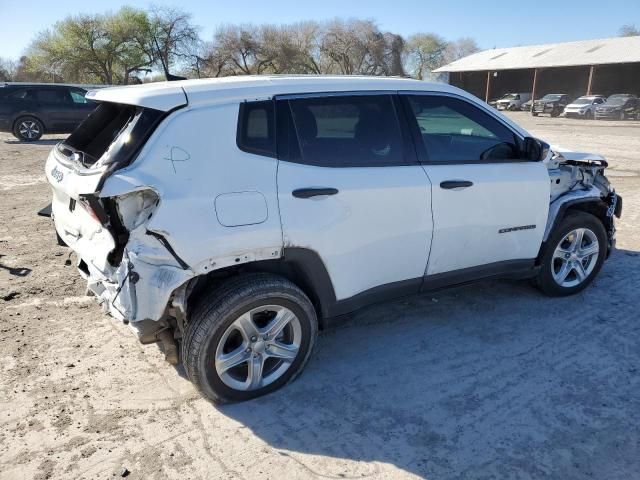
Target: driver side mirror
point(534, 150)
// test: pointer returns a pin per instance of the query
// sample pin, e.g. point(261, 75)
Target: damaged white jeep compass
point(230, 218)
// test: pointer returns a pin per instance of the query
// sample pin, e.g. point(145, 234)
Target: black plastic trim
point(317, 280)
point(169, 248)
point(504, 269)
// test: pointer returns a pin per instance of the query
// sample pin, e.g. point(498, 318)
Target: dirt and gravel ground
point(489, 381)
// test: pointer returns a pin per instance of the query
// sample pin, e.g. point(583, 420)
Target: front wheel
point(249, 337)
point(573, 255)
point(555, 113)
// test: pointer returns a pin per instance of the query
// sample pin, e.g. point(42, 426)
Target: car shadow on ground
point(487, 381)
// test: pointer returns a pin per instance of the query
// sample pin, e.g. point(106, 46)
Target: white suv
point(230, 218)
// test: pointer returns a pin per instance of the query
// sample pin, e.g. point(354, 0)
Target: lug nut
point(253, 339)
point(248, 350)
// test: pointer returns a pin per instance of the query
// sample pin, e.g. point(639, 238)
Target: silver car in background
point(584, 107)
point(512, 101)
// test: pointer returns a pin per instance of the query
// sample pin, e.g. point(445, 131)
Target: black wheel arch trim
point(599, 210)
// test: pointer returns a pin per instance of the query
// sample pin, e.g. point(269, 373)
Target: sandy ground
point(489, 381)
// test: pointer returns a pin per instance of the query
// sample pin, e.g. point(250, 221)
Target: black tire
point(555, 113)
point(218, 309)
point(545, 280)
point(534, 114)
point(621, 116)
point(28, 129)
point(589, 115)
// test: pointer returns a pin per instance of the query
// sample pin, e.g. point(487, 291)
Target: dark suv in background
point(552, 103)
point(31, 110)
point(619, 107)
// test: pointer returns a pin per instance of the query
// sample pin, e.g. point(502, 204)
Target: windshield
point(617, 100)
point(583, 101)
point(510, 96)
point(552, 97)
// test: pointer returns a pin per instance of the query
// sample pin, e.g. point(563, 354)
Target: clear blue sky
point(493, 24)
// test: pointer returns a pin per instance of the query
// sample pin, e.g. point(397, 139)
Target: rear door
point(489, 206)
point(350, 189)
point(56, 109)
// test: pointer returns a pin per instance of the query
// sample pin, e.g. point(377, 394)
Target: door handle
point(313, 192)
point(451, 184)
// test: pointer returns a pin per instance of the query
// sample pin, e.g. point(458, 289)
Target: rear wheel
point(28, 129)
point(249, 337)
point(588, 115)
point(621, 115)
point(555, 112)
point(573, 255)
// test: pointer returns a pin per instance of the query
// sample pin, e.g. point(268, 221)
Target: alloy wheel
point(258, 347)
point(575, 257)
point(29, 129)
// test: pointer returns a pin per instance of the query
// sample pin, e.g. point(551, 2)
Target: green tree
point(105, 48)
point(424, 53)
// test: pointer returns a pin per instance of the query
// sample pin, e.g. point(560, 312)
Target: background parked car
point(512, 101)
point(526, 106)
point(619, 107)
point(584, 107)
point(552, 103)
point(31, 110)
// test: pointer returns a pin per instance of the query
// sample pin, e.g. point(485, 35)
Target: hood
point(567, 154)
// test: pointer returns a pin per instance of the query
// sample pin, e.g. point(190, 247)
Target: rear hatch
point(108, 140)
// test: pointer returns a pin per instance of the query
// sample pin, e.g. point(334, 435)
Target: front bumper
point(542, 108)
point(611, 114)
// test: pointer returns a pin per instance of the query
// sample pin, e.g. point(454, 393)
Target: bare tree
point(629, 30)
point(462, 47)
point(172, 38)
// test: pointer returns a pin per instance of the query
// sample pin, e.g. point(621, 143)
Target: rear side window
point(53, 96)
point(256, 128)
point(453, 130)
point(22, 94)
point(347, 131)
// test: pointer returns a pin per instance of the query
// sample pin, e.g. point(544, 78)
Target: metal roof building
point(604, 66)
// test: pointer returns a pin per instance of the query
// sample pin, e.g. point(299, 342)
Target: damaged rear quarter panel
point(189, 168)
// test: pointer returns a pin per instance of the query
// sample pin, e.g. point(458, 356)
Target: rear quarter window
point(256, 128)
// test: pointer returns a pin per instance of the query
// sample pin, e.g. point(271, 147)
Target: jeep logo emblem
point(57, 174)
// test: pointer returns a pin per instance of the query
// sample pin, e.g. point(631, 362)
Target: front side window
point(453, 130)
point(256, 128)
point(347, 131)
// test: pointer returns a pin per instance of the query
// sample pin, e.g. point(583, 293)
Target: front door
point(351, 190)
point(490, 206)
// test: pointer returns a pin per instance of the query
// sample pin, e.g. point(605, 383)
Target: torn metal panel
point(575, 177)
